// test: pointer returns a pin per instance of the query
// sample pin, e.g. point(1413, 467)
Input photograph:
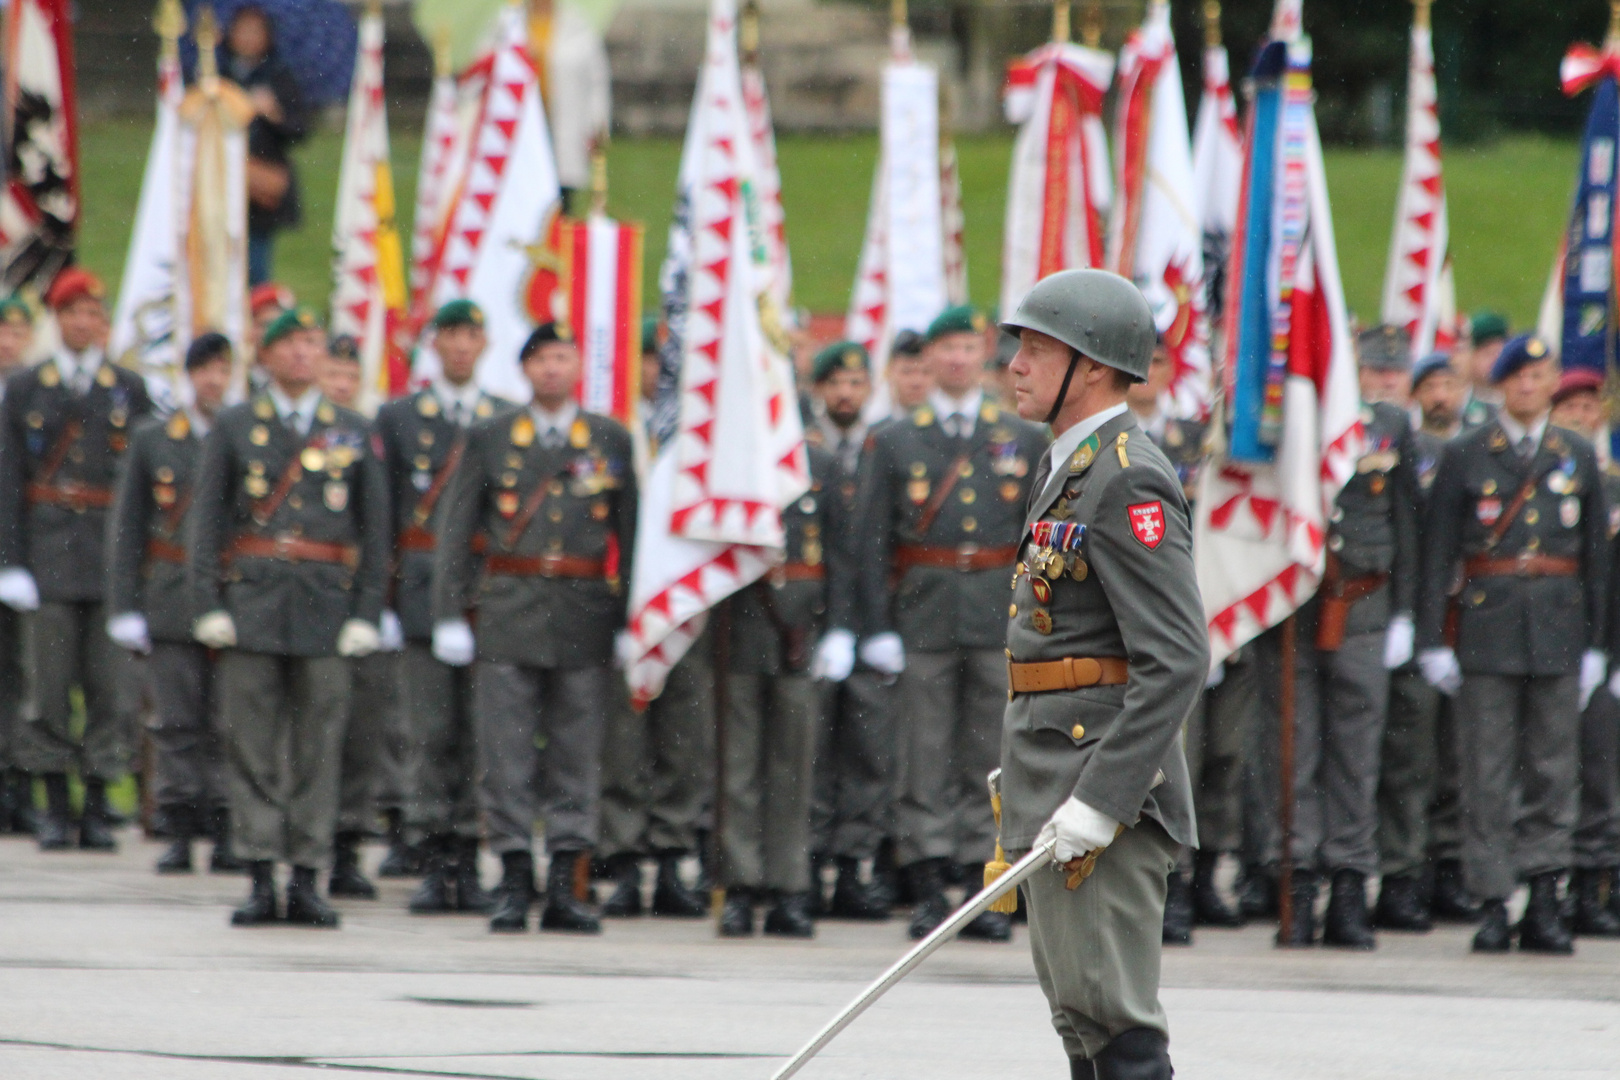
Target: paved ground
point(107, 970)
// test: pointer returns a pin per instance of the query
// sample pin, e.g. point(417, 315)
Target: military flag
point(772, 218)
point(602, 281)
point(1217, 161)
point(446, 135)
point(39, 206)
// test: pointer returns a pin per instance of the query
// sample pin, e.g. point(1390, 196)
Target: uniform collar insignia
point(990, 412)
point(49, 374)
point(1084, 454)
point(179, 425)
point(1499, 439)
point(922, 416)
point(264, 408)
point(325, 413)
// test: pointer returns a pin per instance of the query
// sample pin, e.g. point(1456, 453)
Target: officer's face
point(1038, 372)
point(1527, 393)
point(459, 348)
point(553, 372)
point(1582, 412)
point(83, 323)
point(340, 380)
point(1381, 385)
point(957, 360)
point(844, 392)
point(208, 384)
point(1440, 396)
point(291, 360)
point(15, 337)
point(909, 380)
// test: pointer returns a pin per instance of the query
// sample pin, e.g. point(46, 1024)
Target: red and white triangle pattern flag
point(711, 514)
point(445, 139)
point(1217, 158)
point(1418, 291)
point(772, 218)
point(497, 241)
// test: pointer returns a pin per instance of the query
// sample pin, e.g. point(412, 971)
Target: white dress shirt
point(966, 407)
point(1068, 442)
point(298, 415)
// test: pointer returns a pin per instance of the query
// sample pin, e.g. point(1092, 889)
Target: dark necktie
point(1527, 447)
point(1043, 473)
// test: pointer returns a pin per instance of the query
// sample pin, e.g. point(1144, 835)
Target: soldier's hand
point(453, 643)
point(1078, 829)
point(835, 656)
point(358, 638)
point(1441, 670)
point(1216, 676)
point(390, 633)
point(17, 589)
point(883, 652)
point(624, 649)
point(217, 630)
point(1594, 667)
point(1398, 642)
point(128, 631)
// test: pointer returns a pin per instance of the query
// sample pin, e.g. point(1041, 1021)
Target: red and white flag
point(1155, 237)
point(1418, 291)
point(446, 135)
point(602, 277)
point(368, 262)
point(1217, 158)
point(39, 208)
point(772, 218)
point(711, 513)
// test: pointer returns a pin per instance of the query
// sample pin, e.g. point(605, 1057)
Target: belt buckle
point(284, 544)
point(964, 556)
point(549, 563)
point(1523, 558)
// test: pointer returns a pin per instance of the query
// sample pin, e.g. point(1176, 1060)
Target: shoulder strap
point(265, 508)
point(1511, 514)
point(430, 497)
point(931, 510)
point(59, 451)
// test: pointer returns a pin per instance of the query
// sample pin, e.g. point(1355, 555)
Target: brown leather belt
point(72, 496)
point(551, 566)
point(416, 538)
point(1525, 565)
point(291, 549)
point(1069, 673)
point(165, 551)
point(799, 571)
point(965, 557)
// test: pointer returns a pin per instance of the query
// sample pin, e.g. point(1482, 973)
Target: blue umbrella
point(316, 39)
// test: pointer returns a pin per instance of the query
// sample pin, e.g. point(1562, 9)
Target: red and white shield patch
point(1147, 522)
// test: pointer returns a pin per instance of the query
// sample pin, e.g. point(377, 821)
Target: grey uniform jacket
point(1115, 748)
point(282, 606)
point(1512, 624)
point(940, 608)
point(588, 512)
point(53, 521)
point(146, 568)
point(1374, 525)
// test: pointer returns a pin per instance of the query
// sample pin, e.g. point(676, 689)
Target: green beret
point(298, 318)
point(649, 334)
point(1486, 326)
point(961, 319)
point(839, 356)
point(14, 309)
point(458, 313)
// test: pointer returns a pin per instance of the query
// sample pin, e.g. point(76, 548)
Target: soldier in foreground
point(1106, 653)
point(16, 784)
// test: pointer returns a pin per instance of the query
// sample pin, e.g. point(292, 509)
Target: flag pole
point(1061, 17)
point(1092, 24)
point(1212, 24)
point(1285, 796)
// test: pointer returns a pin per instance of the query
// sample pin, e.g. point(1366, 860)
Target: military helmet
point(1101, 315)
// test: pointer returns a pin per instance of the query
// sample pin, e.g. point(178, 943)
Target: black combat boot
point(1346, 925)
point(1401, 905)
point(260, 906)
point(17, 802)
point(1541, 930)
point(1082, 1069)
point(924, 881)
point(625, 901)
point(989, 926)
point(1136, 1054)
point(402, 860)
point(1450, 902)
point(790, 916)
point(853, 899)
point(304, 904)
point(95, 824)
point(737, 915)
point(222, 860)
point(885, 874)
point(1178, 910)
point(514, 895)
point(470, 893)
point(1594, 917)
point(346, 879)
point(1494, 935)
point(179, 825)
point(1209, 906)
point(1257, 892)
point(54, 829)
point(563, 910)
point(671, 898)
point(1303, 932)
point(436, 894)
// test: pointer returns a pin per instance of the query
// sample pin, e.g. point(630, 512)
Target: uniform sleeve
point(625, 516)
point(1404, 512)
point(1442, 541)
point(872, 538)
point(1596, 566)
point(457, 515)
point(127, 529)
point(1153, 592)
point(12, 449)
point(207, 522)
point(376, 538)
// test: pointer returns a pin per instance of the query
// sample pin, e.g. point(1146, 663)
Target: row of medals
point(1046, 565)
point(313, 459)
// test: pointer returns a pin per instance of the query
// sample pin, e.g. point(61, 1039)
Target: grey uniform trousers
point(1408, 768)
point(373, 704)
point(852, 810)
point(1445, 812)
point(188, 763)
point(69, 648)
point(282, 719)
point(948, 737)
point(658, 764)
point(12, 682)
point(1519, 737)
point(1597, 830)
point(1215, 739)
point(1097, 948)
point(770, 745)
point(392, 792)
point(517, 706)
point(441, 759)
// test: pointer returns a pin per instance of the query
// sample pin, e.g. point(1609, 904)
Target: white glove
point(453, 643)
point(17, 589)
point(1614, 685)
point(623, 649)
point(1441, 670)
point(1215, 677)
point(1398, 642)
point(217, 630)
point(1594, 666)
point(128, 631)
point(357, 638)
point(390, 635)
point(835, 656)
point(1079, 830)
point(883, 652)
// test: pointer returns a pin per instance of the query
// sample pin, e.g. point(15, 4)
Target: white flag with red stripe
point(445, 137)
point(1217, 158)
point(602, 277)
point(772, 218)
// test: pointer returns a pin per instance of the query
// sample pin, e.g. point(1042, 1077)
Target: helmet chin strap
point(1063, 391)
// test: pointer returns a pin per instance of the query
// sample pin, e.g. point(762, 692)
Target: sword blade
point(945, 931)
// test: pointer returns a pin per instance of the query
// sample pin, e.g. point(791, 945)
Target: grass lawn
point(1508, 202)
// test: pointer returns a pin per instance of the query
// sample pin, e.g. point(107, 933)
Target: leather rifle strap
point(934, 505)
point(530, 507)
point(1511, 514)
point(175, 516)
point(265, 508)
point(430, 497)
point(71, 431)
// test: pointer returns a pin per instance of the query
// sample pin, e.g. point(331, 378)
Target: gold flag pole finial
point(1060, 22)
point(1091, 25)
point(1212, 24)
point(169, 21)
point(898, 16)
point(1613, 38)
point(748, 32)
point(442, 63)
point(207, 35)
point(373, 7)
point(1420, 13)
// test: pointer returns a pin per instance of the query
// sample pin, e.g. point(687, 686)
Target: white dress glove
point(1594, 667)
point(883, 652)
point(1614, 685)
point(835, 656)
point(1398, 642)
point(128, 631)
point(217, 630)
point(357, 638)
point(453, 643)
point(17, 589)
point(1441, 670)
point(624, 649)
point(1079, 830)
point(1216, 676)
point(390, 634)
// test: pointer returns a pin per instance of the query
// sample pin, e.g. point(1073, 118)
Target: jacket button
point(1078, 731)
point(1012, 611)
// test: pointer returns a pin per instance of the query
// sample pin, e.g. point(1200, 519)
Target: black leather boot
point(1450, 902)
point(260, 906)
point(1209, 906)
point(1082, 1069)
point(180, 825)
point(54, 829)
point(1494, 935)
point(924, 881)
point(885, 874)
point(95, 824)
point(1346, 925)
point(402, 860)
point(346, 879)
point(790, 916)
point(853, 899)
point(222, 860)
point(563, 910)
point(737, 915)
point(304, 904)
point(1303, 932)
point(436, 894)
point(514, 895)
point(1594, 916)
point(21, 819)
point(989, 926)
point(1541, 930)
point(1257, 892)
point(671, 898)
point(1136, 1054)
point(470, 893)
point(1178, 910)
point(625, 901)
point(1401, 905)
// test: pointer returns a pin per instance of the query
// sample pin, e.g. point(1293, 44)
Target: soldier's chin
point(1025, 405)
